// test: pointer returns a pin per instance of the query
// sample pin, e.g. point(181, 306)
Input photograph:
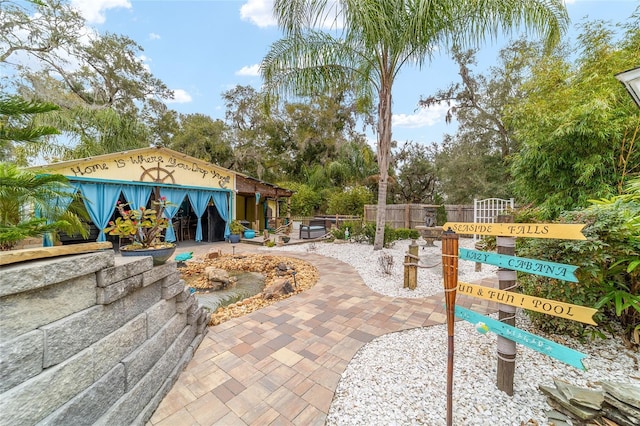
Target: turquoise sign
point(536, 267)
point(540, 344)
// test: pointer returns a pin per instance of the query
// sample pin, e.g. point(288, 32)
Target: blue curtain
point(60, 204)
point(100, 201)
point(199, 201)
point(136, 195)
point(221, 201)
point(174, 196)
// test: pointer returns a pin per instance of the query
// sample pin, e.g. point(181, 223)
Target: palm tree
point(30, 206)
point(379, 37)
point(16, 126)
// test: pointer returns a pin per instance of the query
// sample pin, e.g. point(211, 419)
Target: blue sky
point(201, 48)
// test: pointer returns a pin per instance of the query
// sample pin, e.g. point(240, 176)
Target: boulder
point(280, 287)
point(219, 279)
point(213, 254)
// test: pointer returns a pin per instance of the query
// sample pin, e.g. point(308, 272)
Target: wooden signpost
point(565, 231)
point(532, 303)
point(559, 271)
point(537, 343)
point(509, 300)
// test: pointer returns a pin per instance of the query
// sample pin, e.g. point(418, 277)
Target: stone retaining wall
point(92, 339)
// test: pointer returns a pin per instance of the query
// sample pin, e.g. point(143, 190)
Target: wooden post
point(407, 216)
point(506, 314)
point(450, 273)
point(407, 260)
point(413, 269)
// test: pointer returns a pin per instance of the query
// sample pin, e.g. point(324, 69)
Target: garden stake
point(450, 273)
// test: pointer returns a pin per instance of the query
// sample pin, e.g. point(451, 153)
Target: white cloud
point(154, 36)
point(259, 12)
point(422, 118)
point(252, 70)
point(93, 10)
point(180, 96)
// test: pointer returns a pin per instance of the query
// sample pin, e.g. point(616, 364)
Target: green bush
point(606, 277)
point(356, 231)
point(350, 201)
point(406, 234)
point(305, 201)
point(441, 215)
point(390, 234)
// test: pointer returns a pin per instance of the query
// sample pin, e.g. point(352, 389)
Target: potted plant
point(236, 230)
point(143, 228)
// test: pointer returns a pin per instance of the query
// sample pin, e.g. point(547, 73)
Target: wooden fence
point(411, 215)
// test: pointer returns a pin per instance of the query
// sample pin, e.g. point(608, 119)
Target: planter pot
point(249, 233)
point(160, 255)
point(234, 238)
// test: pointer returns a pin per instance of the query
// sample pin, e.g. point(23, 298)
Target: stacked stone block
point(92, 339)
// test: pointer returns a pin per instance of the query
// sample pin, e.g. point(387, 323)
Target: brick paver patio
point(281, 365)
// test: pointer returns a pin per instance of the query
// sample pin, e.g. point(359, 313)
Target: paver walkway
point(281, 365)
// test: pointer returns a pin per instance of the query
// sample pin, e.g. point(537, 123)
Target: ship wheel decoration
point(157, 174)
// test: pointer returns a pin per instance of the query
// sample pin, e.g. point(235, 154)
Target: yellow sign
point(532, 303)
point(160, 165)
point(566, 231)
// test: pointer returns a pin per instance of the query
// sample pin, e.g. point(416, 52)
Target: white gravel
point(400, 378)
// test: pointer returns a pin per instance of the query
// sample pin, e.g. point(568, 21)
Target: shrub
point(406, 234)
point(350, 201)
point(441, 215)
point(390, 234)
point(305, 201)
point(385, 261)
point(606, 277)
point(356, 231)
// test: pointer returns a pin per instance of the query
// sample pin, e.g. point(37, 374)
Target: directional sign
point(537, 343)
point(567, 231)
point(532, 303)
point(559, 271)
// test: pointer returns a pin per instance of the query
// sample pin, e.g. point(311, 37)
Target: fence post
point(506, 314)
point(407, 216)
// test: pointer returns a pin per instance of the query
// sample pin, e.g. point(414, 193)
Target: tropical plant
point(608, 272)
point(17, 131)
point(143, 227)
point(377, 39)
point(30, 207)
point(235, 227)
point(351, 201)
point(577, 124)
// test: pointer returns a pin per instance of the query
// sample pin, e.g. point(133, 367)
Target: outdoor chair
point(315, 229)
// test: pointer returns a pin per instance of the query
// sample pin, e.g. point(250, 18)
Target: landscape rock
point(219, 279)
point(278, 288)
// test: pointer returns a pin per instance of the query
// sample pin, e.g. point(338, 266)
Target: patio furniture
point(315, 229)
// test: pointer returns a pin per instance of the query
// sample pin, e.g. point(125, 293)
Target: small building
point(205, 197)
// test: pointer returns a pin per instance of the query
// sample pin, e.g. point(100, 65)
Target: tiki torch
point(450, 273)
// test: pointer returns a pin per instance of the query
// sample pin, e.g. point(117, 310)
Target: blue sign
point(537, 343)
point(559, 271)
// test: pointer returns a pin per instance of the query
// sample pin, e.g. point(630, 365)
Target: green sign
point(537, 343)
point(559, 271)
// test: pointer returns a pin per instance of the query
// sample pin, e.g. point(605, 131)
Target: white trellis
point(487, 210)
